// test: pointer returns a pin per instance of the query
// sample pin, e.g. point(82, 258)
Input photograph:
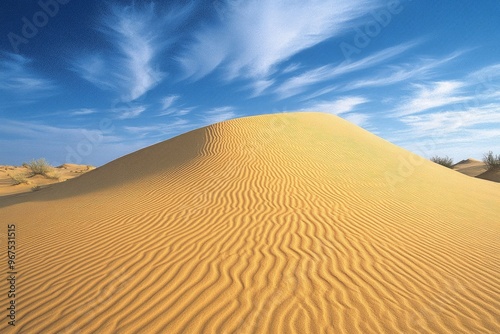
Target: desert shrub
point(443, 161)
point(492, 161)
point(19, 178)
point(53, 175)
point(39, 167)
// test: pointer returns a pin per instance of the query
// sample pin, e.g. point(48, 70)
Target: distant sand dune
point(288, 223)
point(470, 167)
point(477, 169)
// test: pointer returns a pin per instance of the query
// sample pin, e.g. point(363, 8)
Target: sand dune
point(490, 175)
point(476, 168)
point(289, 223)
point(471, 167)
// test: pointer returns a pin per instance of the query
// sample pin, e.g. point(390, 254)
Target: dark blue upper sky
point(89, 81)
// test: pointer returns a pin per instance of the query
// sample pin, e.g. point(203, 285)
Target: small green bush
point(492, 161)
point(39, 167)
point(443, 161)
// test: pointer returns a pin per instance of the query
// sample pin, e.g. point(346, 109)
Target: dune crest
point(285, 223)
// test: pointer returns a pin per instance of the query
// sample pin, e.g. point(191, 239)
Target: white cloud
point(462, 143)
point(300, 83)
point(177, 112)
point(132, 112)
point(83, 111)
point(453, 121)
point(399, 73)
point(171, 107)
point(340, 106)
point(455, 118)
point(175, 126)
point(168, 101)
point(430, 96)
point(18, 77)
point(357, 118)
point(255, 36)
point(259, 86)
point(486, 81)
point(137, 34)
point(320, 92)
point(219, 114)
point(487, 73)
point(291, 68)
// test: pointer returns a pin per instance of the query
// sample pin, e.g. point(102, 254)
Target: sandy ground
point(287, 223)
point(471, 167)
point(476, 168)
point(490, 175)
point(58, 174)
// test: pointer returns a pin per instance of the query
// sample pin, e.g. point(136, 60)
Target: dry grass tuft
point(19, 178)
point(39, 167)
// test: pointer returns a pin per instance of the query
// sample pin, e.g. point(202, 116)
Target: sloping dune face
point(491, 175)
point(289, 223)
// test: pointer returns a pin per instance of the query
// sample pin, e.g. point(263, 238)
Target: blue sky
point(90, 81)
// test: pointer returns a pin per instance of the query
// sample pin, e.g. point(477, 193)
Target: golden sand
point(288, 223)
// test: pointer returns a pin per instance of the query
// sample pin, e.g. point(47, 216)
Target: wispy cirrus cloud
point(219, 114)
point(291, 68)
point(431, 96)
point(161, 130)
point(171, 107)
point(486, 74)
point(300, 83)
point(176, 111)
point(138, 35)
point(450, 117)
point(168, 101)
point(357, 118)
point(132, 112)
point(343, 106)
point(339, 106)
point(453, 121)
point(397, 73)
point(255, 36)
point(320, 92)
point(451, 132)
point(83, 111)
point(19, 78)
point(486, 81)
